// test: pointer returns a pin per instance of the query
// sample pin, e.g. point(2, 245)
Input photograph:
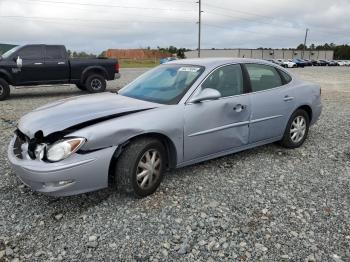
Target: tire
point(4, 89)
point(301, 131)
point(81, 86)
point(128, 167)
point(95, 84)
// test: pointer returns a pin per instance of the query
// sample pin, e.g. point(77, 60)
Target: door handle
point(288, 98)
point(38, 63)
point(238, 108)
point(61, 63)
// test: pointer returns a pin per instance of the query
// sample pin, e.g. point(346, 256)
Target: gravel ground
point(264, 204)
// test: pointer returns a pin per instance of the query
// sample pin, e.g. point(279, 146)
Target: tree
point(181, 53)
point(103, 54)
point(301, 47)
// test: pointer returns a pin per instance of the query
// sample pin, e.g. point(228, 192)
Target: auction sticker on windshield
point(189, 69)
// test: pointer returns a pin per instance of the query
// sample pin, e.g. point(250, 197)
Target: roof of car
point(216, 61)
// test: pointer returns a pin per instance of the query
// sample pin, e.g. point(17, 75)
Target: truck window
point(53, 52)
point(31, 52)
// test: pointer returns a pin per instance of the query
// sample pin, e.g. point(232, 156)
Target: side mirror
point(206, 94)
point(19, 62)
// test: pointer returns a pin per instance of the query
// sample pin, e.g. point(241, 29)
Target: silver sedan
point(177, 114)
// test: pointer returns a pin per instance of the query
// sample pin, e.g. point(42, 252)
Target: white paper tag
point(189, 69)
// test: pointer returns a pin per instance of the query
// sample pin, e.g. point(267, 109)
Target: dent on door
point(215, 126)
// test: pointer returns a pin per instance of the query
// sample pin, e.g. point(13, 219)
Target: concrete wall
point(263, 54)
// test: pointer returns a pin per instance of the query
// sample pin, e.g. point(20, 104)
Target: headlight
point(63, 149)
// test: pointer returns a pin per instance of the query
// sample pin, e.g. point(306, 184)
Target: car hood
point(77, 111)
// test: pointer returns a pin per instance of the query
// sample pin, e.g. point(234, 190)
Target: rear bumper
point(77, 174)
point(316, 113)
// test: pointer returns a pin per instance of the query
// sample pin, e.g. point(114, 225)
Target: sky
point(94, 26)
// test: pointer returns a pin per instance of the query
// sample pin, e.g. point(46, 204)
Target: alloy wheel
point(148, 169)
point(96, 84)
point(1, 90)
point(298, 129)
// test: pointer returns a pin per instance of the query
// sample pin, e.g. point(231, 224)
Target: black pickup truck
point(30, 65)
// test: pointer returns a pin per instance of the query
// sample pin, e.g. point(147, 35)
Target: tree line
point(179, 52)
point(340, 51)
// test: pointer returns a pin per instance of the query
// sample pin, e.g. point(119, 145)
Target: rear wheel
point(296, 130)
point(81, 86)
point(95, 83)
point(139, 170)
point(4, 89)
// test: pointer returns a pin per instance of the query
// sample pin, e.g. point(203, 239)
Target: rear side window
point(286, 77)
point(263, 77)
point(53, 52)
point(31, 52)
point(228, 80)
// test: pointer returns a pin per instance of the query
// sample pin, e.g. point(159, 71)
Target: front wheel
point(95, 84)
point(4, 89)
point(296, 130)
point(139, 170)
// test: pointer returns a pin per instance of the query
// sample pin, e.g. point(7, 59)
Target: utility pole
point(307, 30)
point(199, 27)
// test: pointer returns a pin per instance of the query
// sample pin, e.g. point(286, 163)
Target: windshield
point(10, 52)
point(165, 84)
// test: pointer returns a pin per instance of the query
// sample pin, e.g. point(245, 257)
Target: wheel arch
point(4, 75)
point(165, 140)
point(93, 70)
point(307, 109)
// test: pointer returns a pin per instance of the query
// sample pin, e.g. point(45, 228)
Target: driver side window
point(228, 80)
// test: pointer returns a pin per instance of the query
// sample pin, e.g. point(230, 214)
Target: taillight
point(117, 67)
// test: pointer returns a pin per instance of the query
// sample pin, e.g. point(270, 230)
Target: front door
point(32, 64)
point(217, 126)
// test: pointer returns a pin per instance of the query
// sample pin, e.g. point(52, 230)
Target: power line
point(244, 30)
point(58, 19)
point(66, 22)
point(109, 5)
point(199, 26)
point(240, 11)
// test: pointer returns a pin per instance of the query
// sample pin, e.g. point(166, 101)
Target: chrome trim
point(264, 119)
point(219, 128)
point(244, 94)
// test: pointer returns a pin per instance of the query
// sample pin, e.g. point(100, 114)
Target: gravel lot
point(264, 204)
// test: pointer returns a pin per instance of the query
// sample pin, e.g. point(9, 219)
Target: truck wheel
point(139, 169)
point(81, 86)
point(4, 89)
point(95, 84)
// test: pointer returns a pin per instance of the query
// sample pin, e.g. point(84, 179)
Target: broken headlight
point(59, 150)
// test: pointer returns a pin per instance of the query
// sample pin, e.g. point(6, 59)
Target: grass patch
point(130, 63)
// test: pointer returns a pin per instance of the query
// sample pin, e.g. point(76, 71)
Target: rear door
point(216, 126)
point(272, 102)
point(56, 64)
point(32, 64)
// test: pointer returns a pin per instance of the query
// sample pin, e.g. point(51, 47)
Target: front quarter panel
point(166, 120)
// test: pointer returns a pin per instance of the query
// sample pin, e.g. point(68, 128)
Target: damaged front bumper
point(77, 174)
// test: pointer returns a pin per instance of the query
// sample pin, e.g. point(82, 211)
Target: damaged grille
point(20, 143)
